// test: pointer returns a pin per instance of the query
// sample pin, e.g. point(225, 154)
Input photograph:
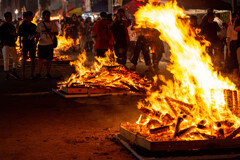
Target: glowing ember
point(200, 103)
point(105, 73)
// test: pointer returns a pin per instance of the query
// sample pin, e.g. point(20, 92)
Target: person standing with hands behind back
point(121, 38)
point(46, 30)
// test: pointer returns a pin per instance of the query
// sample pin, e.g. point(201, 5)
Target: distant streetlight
point(16, 12)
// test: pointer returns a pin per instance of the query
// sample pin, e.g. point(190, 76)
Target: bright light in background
point(16, 11)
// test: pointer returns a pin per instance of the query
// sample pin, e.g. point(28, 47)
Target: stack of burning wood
point(104, 76)
point(182, 123)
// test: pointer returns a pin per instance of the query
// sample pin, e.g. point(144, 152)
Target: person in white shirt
point(46, 30)
point(232, 45)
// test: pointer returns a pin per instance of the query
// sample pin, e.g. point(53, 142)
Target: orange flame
point(105, 73)
point(197, 91)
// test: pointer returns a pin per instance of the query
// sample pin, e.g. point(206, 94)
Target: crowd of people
point(117, 33)
point(221, 34)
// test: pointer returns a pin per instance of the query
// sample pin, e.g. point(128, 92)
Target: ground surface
point(37, 124)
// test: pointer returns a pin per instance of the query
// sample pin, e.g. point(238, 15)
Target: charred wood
point(204, 135)
point(225, 123)
point(185, 111)
point(200, 126)
point(167, 118)
point(233, 134)
point(185, 131)
point(159, 129)
point(131, 87)
point(150, 112)
point(221, 132)
point(153, 123)
point(179, 121)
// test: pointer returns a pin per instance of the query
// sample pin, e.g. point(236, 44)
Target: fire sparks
point(199, 103)
point(105, 74)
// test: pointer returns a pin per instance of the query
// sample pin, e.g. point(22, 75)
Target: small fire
point(105, 73)
point(36, 17)
point(199, 103)
point(64, 43)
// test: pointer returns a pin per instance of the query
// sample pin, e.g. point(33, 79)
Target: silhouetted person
point(121, 38)
point(8, 38)
point(27, 34)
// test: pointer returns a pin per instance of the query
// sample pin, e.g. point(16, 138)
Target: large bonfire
point(199, 103)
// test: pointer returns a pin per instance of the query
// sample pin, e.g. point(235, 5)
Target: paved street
point(35, 120)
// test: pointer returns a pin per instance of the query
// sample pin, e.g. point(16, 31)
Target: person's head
point(46, 15)
point(209, 10)
point(8, 17)
point(79, 18)
point(109, 17)
point(24, 15)
point(103, 15)
point(211, 17)
point(88, 20)
point(29, 16)
point(120, 13)
point(74, 17)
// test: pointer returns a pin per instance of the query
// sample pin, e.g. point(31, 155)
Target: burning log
point(225, 123)
point(185, 131)
point(179, 121)
point(208, 136)
point(235, 103)
point(150, 112)
point(237, 110)
point(233, 134)
point(228, 96)
point(204, 135)
point(221, 132)
point(167, 118)
point(171, 106)
point(153, 123)
point(189, 106)
point(131, 87)
point(160, 129)
point(201, 124)
point(185, 111)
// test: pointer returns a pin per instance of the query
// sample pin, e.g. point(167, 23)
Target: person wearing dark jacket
point(120, 34)
point(209, 30)
point(27, 34)
point(8, 38)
